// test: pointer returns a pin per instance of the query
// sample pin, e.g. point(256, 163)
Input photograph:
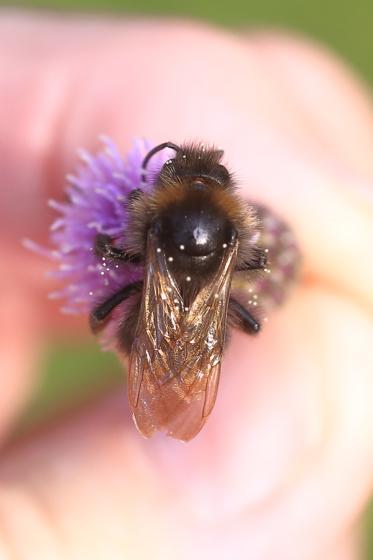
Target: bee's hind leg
point(99, 315)
point(240, 318)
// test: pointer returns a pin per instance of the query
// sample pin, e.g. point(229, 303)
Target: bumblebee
point(200, 246)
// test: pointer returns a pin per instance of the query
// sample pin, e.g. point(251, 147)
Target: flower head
point(97, 195)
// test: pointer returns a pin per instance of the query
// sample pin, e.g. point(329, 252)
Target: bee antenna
point(150, 154)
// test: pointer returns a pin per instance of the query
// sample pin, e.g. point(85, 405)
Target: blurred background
point(345, 26)
point(75, 371)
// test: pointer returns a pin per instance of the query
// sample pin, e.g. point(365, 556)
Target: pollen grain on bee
point(181, 247)
point(188, 278)
point(170, 259)
point(159, 250)
point(225, 245)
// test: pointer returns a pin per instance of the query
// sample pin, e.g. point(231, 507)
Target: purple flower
point(97, 196)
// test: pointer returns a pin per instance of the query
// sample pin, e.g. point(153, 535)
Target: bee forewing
point(176, 355)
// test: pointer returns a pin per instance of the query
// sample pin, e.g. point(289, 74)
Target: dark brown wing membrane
point(264, 290)
point(175, 359)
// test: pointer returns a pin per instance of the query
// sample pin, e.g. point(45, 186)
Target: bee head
point(193, 211)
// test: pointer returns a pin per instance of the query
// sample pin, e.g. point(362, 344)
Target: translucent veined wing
point(175, 360)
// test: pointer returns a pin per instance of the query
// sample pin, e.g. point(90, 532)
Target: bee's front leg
point(104, 247)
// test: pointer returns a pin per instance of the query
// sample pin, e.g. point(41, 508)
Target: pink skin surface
point(284, 466)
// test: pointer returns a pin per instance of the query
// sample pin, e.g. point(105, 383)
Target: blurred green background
point(72, 369)
point(344, 25)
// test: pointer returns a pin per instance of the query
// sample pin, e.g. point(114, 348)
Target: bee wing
point(262, 291)
point(175, 360)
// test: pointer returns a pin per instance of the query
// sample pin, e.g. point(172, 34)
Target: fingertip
point(20, 349)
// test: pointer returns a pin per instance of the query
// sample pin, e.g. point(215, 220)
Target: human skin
point(283, 468)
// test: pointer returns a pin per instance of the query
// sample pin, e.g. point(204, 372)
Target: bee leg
point(104, 248)
point(240, 318)
point(258, 263)
point(99, 315)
